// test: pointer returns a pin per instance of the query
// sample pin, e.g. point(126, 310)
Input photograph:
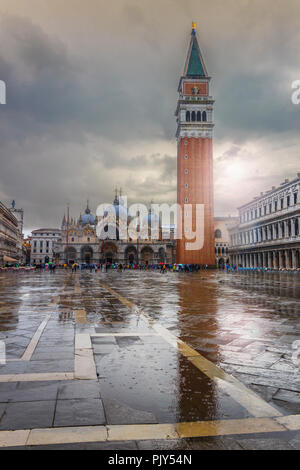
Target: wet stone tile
point(28, 415)
point(164, 444)
point(79, 412)
point(125, 341)
point(34, 391)
point(120, 413)
point(295, 442)
point(6, 390)
point(265, 444)
point(78, 389)
point(116, 445)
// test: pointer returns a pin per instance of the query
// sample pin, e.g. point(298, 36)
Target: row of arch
point(110, 254)
point(196, 116)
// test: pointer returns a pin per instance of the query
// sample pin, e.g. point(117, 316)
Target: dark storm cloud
point(92, 89)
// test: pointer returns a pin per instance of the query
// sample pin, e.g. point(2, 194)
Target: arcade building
point(79, 242)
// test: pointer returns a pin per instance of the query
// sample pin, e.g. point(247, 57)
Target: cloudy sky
point(92, 90)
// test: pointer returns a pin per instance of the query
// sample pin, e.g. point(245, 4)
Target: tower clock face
point(195, 90)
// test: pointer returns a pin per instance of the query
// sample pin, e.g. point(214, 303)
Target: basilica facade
point(80, 241)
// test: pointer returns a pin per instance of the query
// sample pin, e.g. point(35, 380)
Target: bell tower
point(195, 154)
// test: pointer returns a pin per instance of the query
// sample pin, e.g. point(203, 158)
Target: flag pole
point(67, 235)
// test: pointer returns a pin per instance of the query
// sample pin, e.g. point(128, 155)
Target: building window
point(295, 198)
point(281, 203)
point(186, 157)
point(186, 185)
point(72, 239)
point(275, 206)
point(270, 208)
point(187, 118)
point(204, 116)
point(186, 199)
point(260, 212)
point(198, 115)
point(186, 171)
point(288, 201)
point(218, 233)
point(185, 142)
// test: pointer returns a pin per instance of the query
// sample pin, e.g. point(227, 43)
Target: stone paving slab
point(78, 389)
point(30, 391)
point(24, 415)
point(79, 412)
point(141, 378)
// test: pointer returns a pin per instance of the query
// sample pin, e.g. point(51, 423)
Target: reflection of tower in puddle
point(198, 327)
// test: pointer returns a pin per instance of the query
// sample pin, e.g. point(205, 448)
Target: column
point(294, 259)
point(270, 259)
point(285, 230)
point(274, 260)
point(286, 258)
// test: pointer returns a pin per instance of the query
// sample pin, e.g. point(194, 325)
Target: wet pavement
point(150, 361)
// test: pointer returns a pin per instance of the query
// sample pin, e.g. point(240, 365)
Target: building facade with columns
point(267, 234)
point(222, 239)
point(11, 239)
point(42, 245)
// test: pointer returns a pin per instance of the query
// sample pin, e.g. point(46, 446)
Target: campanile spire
point(194, 159)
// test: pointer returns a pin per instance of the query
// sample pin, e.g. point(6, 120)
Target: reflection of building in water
point(197, 325)
point(81, 242)
point(222, 224)
point(268, 233)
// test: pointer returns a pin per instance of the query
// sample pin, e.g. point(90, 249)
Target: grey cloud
point(90, 81)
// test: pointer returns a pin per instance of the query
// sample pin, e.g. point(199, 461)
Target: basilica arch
point(147, 255)
point(110, 252)
point(87, 254)
point(71, 254)
point(162, 255)
point(130, 254)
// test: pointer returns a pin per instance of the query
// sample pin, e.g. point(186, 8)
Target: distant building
point(11, 240)
point(268, 233)
point(19, 215)
point(222, 238)
point(42, 242)
point(80, 243)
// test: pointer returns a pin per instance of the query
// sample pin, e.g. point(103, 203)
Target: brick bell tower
point(195, 154)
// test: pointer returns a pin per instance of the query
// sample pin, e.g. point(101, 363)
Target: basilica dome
point(87, 217)
point(119, 209)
